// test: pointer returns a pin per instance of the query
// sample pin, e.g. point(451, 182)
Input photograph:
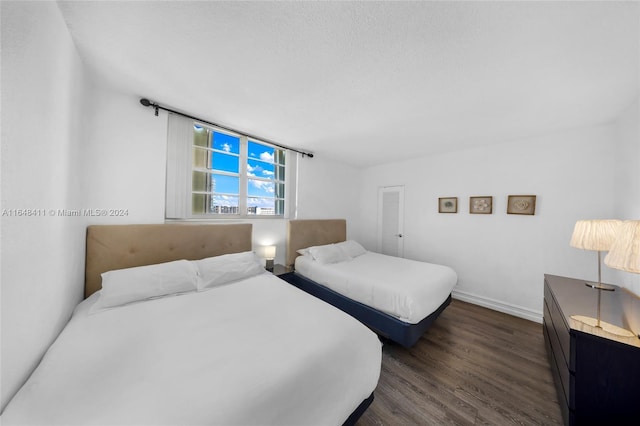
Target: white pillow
point(351, 248)
point(219, 270)
point(304, 252)
point(329, 253)
point(122, 286)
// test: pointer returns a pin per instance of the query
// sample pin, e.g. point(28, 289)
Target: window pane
point(260, 188)
point(261, 206)
point(226, 143)
point(199, 203)
point(200, 136)
point(279, 207)
point(279, 156)
point(260, 169)
point(225, 162)
point(261, 152)
point(279, 190)
point(200, 158)
point(279, 175)
point(212, 182)
point(223, 184)
point(201, 182)
point(224, 204)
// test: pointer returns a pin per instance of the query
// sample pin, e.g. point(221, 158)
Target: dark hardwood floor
point(473, 366)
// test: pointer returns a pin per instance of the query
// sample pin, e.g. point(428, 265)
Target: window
point(229, 175)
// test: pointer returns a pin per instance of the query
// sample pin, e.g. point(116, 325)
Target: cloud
point(253, 171)
point(226, 147)
point(261, 202)
point(258, 170)
point(267, 156)
point(225, 200)
point(268, 187)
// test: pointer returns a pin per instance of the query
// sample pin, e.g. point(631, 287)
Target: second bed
point(398, 298)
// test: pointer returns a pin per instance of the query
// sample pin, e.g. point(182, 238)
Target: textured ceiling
point(370, 82)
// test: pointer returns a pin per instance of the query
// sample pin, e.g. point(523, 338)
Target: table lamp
point(625, 251)
point(269, 252)
point(597, 235)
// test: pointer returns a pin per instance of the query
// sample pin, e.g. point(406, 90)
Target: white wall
point(43, 95)
point(328, 190)
point(125, 158)
point(500, 259)
point(627, 179)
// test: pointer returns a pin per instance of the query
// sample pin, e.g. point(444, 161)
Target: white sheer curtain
point(179, 153)
point(291, 186)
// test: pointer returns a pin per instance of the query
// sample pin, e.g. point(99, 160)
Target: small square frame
point(448, 205)
point(481, 205)
point(521, 204)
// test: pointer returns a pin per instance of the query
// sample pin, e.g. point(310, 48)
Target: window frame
point(243, 177)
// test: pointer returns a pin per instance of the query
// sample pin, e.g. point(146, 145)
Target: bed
point(248, 350)
point(397, 298)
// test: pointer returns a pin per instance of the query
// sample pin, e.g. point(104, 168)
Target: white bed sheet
point(405, 289)
point(257, 351)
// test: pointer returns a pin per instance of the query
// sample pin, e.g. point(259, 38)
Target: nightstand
point(279, 270)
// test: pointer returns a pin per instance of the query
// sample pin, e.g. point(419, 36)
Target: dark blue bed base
point(385, 325)
point(359, 411)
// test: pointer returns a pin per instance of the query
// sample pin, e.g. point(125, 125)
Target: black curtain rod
point(146, 102)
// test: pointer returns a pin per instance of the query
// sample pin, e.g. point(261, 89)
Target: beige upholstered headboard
point(306, 233)
point(125, 246)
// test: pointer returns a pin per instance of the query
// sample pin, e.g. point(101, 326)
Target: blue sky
point(259, 164)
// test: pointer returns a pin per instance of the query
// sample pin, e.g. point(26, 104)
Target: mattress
point(257, 351)
point(405, 289)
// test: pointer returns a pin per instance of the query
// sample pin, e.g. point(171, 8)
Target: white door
point(390, 220)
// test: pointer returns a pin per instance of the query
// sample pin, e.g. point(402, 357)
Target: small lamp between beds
point(269, 253)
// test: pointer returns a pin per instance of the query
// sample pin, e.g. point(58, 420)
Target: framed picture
point(448, 205)
point(521, 204)
point(480, 205)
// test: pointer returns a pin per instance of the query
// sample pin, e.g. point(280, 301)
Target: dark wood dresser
point(597, 374)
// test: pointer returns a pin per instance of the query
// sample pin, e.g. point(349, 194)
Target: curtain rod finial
point(145, 102)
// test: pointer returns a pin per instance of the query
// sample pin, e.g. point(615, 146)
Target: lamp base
point(600, 286)
point(610, 331)
point(269, 265)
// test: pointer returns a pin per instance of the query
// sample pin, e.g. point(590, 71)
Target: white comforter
point(257, 351)
point(405, 289)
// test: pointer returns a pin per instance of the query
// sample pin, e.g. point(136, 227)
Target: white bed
point(252, 351)
point(405, 289)
point(397, 298)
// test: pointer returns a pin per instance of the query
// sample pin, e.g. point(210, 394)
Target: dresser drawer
point(558, 322)
point(561, 369)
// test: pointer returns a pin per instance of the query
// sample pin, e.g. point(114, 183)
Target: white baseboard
point(496, 305)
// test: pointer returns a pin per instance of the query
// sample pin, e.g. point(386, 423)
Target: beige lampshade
point(625, 251)
point(594, 234)
point(269, 252)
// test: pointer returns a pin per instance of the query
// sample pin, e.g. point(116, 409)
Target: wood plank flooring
point(473, 366)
